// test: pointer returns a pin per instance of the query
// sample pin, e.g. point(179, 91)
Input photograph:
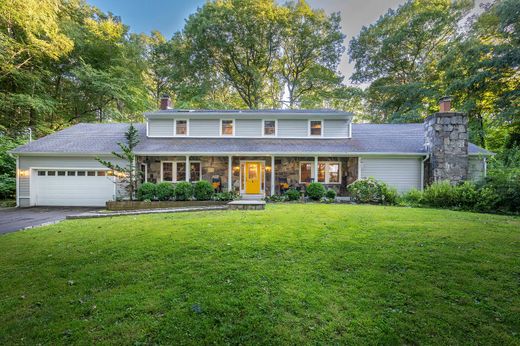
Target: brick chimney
point(446, 140)
point(165, 102)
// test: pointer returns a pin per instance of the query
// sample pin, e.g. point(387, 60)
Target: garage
point(403, 174)
point(85, 188)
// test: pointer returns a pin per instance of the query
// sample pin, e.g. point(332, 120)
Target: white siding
point(293, 128)
point(403, 174)
point(476, 168)
point(27, 164)
point(248, 127)
point(204, 127)
point(160, 128)
point(336, 128)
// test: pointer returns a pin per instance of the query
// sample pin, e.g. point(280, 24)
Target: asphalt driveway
point(14, 219)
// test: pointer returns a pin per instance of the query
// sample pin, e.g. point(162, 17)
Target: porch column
point(188, 169)
point(272, 176)
point(230, 173)
point(315, 168)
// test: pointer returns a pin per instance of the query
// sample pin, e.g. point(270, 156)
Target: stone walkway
point(93, 215)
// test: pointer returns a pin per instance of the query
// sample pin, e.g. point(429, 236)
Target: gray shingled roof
point(103, 138)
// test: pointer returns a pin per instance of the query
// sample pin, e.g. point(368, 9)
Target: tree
point(398, 56)
point(311, 44)
point(240, 39)
point(127, 173)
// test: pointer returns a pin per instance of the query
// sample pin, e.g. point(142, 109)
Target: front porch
point(252, 176)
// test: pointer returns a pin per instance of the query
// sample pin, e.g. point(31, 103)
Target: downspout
point(17, 181)
point(422, 171)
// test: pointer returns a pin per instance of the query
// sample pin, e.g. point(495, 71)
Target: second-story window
point(269, 127)
point(315, 128)
point(181, 127)
point(227, 127)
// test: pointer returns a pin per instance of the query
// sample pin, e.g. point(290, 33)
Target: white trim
point(359, 168)
point(175, 134)
point(314, 171)
point(147, 130)
point(350, 129)
point(272, 176)
point(262, 181)
point(322, 128)
point(174, 171)
point(255, 137)
point(18, 181)
point(230, 173)
point(275, 128)
point(233, 127)
point(422, 171)
point(188, 169)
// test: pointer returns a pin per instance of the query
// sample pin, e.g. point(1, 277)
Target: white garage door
point(72, 188)
point(402, 173)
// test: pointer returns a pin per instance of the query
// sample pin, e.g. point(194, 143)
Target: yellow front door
point(252, 177)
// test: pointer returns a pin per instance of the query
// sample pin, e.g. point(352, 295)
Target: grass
point(292, 274)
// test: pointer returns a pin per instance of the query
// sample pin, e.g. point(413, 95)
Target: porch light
point(23, 173)
point(268, 169)
point(236, 168)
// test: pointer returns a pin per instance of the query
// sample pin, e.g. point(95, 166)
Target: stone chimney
point(446, 140)
point(166, 102)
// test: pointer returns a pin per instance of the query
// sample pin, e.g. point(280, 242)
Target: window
point(41, 173)
point(91, 173)
point(181, 171)
point(61, 173)
point(227, 127)
point(176, 171)
point(71, 173)
point(328, 172)
point(306, 172)
point(195, 171)
point(181, 127)
point(51, 173)
point(315, 127)
point(81, 173)
point(167, 171)
point(144, 173)
point(269, 127)
point(101, 173)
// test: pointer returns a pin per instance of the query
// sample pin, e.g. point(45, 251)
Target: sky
point(168, 16)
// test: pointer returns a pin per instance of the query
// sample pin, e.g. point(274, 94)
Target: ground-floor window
point(328, 172)
point(174, 171)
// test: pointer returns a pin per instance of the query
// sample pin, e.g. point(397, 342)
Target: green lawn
point(320, 274)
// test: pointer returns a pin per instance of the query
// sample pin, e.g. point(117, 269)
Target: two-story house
point(253, 152)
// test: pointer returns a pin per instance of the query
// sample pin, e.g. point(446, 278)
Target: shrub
point(487, 200)
point(506, 186)
point(466, 195)
point(225, 196)
point(164, 191)
point(292, 194)
point(330, 194)
point(369, 190)
point(441, 195)
point(146, 192)
point(277, 198)
point(203, 190)
point(183, 191)
point(315, 191)
point(412, 198)
point(7, 186)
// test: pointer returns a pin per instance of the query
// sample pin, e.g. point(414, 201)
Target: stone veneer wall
point(285, 167)
point(446, 139)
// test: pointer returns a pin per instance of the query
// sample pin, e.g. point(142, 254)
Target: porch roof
point(98, 139)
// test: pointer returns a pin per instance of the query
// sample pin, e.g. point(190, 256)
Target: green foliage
point(183, 191)
point(292, 194)
point(7, 161)
point(440, 195)
point(129, 178)
point(412, 198)
point(203, 190)
point(505, 185)
point(315, 191)
point(331, 194)
point(147, 191)
point(164, 191)
point(277, 198)
point(226, 196)
point(370, 190)
point(7, 186)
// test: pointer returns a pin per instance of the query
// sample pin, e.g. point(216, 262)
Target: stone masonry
point(446, 140)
